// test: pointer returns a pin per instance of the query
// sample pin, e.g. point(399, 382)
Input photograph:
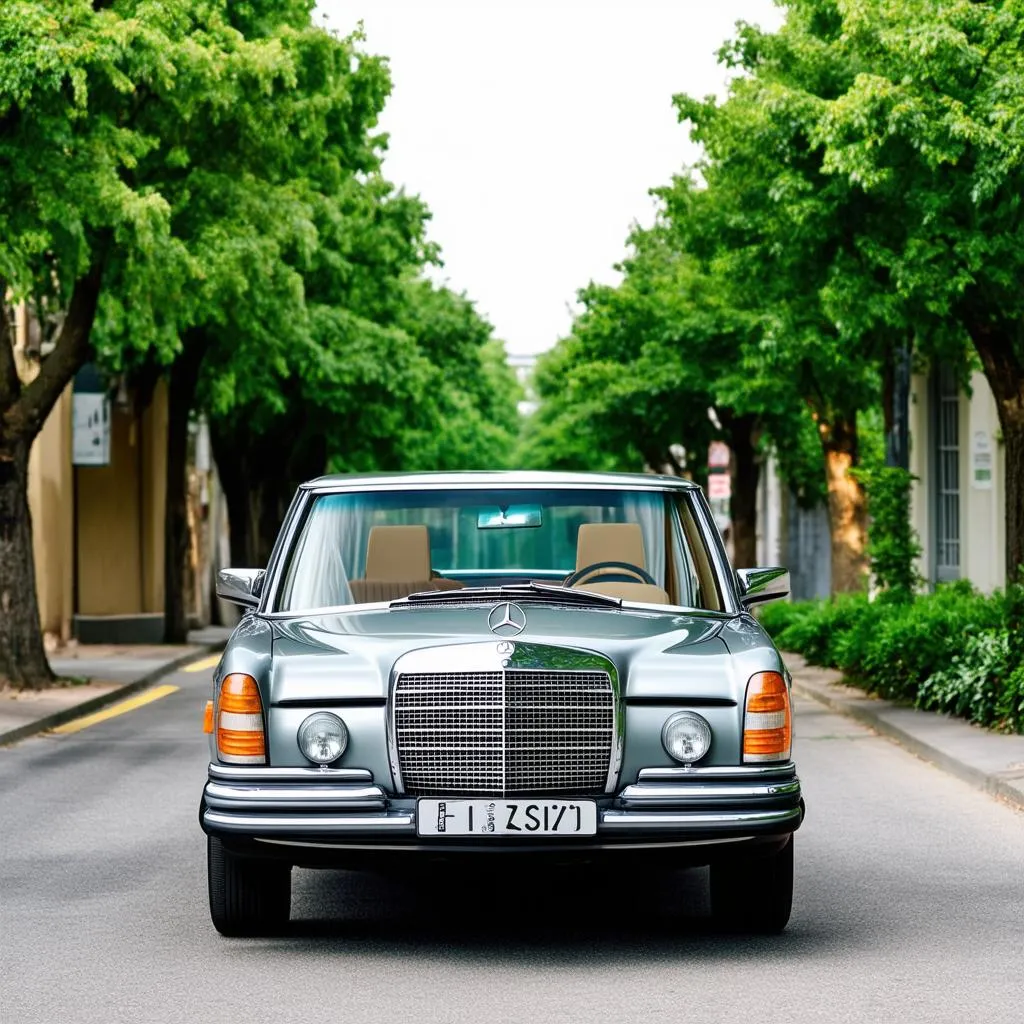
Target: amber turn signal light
point(208, 718)
point(240, 734)
point(767, 719)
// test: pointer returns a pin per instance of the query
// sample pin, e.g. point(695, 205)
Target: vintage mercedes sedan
point(499, 664)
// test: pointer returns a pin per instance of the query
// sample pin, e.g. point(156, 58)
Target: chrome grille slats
point(504, 733)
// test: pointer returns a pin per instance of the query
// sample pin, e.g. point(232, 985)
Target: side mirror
point(758, 586)
point(240, 586)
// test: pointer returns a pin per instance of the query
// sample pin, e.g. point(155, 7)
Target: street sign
point(718, 455)
point(90, 432)
point(981, 461)
point(719, 487)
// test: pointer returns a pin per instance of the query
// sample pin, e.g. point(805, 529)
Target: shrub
point(815, 632)
point(777, 616)
point(971, 684)
point(1010, 705)
point(893, 546)
point(953, 650)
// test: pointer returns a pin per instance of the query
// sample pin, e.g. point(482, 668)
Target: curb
point(87, 707)
point(985, 781)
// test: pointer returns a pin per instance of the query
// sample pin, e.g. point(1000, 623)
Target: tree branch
point(10, 384)
point(38, 397)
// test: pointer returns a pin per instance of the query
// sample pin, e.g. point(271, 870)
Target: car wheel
point(754, 895)
point(247, 896)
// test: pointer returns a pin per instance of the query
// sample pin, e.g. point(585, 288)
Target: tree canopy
point(858, 200)
point(194, 189)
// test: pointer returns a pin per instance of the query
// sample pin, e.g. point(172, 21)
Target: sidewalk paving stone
point(988, 760)
point(111, 671)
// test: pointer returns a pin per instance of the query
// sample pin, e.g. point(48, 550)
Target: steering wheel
point(627, 573)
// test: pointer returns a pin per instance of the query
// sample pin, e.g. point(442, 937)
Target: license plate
point(506, 817)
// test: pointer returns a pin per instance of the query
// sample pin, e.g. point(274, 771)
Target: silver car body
point(347, 660)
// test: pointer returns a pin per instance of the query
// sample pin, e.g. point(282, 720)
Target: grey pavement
point(990, 761)
point(97, 675)
point(908, 907)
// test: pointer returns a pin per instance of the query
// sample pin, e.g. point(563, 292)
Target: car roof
point(497, 478)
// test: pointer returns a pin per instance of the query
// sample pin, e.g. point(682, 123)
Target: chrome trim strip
point(666, 794)
point(282, 549)
point(643, 482)
point(713, 540)
point(248, 824)
point(256, 776)
point(743, 772)
point(612, 819)
point(222, 797)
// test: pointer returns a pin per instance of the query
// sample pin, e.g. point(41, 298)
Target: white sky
point(533, 131)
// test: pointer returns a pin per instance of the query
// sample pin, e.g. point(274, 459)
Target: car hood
point(349, 655)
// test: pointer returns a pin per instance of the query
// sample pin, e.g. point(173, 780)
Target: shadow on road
point(560, 917)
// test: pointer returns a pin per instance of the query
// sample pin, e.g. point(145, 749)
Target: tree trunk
point(999, 347)
point(23, 661)
point(746, 471)
point(1013, 436)
point(259, 474)
point(847, 508)
point(24, 408)
point(180, 398)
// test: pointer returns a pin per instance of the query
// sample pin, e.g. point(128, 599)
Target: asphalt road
point(909, 907)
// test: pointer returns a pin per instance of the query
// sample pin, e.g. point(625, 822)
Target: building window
point(946, 474)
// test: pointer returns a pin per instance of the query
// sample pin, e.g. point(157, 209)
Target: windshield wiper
point(545, 592)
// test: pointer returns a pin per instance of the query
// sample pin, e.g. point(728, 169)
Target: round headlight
point(323, 738)
point(686, 737)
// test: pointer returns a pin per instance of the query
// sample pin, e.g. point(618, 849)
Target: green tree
point(466, 415)
point(666, 359)
point(72, 217)
point(932, 127)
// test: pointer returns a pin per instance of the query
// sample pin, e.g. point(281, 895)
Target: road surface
point(909, 907)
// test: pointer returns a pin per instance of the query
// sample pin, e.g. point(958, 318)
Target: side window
point(698, 561)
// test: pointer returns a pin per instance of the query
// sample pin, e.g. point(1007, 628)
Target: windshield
point(385, 545)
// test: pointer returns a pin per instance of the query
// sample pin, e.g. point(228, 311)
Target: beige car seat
point(615, 542)
point(397, 565)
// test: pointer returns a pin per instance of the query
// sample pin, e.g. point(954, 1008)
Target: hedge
point(953, 650)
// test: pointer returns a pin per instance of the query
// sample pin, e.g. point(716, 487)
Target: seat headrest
point(398, 553)
point(610, 542)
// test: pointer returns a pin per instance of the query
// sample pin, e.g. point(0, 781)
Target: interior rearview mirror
point(509, 516)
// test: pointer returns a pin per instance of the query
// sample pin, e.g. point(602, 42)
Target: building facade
point(97, 526)
point(959, 495)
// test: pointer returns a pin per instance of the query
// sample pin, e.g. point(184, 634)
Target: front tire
point(754, 895)
point(248, 897)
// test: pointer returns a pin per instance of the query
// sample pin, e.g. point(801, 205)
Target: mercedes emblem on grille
point(507, 620)
point(506, 647)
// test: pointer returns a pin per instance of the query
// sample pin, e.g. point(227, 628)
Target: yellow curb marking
point(203, 664)
point(117, 709)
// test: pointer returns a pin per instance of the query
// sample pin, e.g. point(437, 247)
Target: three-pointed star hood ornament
point(507, 619)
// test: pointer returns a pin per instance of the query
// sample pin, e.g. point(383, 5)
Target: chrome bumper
point(677, 805)
point(758, 798)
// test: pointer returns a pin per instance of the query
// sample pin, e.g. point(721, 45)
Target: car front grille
point(504, 733)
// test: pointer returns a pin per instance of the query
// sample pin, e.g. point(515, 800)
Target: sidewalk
point(990, 761)
point(112, 671)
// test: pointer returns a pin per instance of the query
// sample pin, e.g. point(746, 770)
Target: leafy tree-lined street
point(202, 244)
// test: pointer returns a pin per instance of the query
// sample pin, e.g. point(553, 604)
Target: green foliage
point(950, 650)
point(893, 546)
point(978, 684)
point(814, 627)
point(466, 414)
